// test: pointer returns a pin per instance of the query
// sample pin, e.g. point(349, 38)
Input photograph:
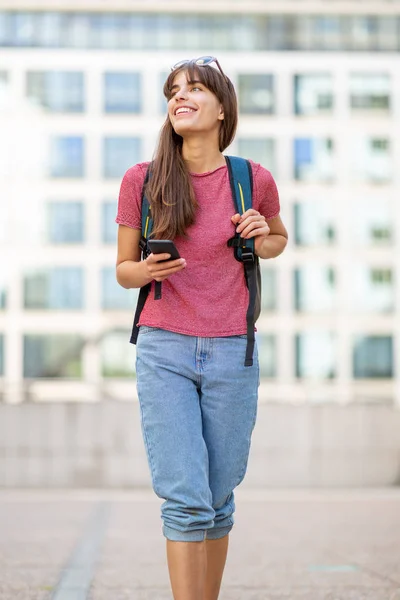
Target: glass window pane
point(373, 289)
point(163, 100)
point(313, 94)
point(373, 222)
point(65, 224)
point(4, 93)
point(114, 296)
point(60, 288)
point(268, 288)
point(1, 355)
point(373, 357)
point(256, 94)
point(56, 91)
point(315, 355)
point(53, 356)
point(370, 91)
point(117, 355)
point(314, 223)
point(67, 157)
point(266, 344)
point(108, 225)
point(261, 150)
point(315, 288)
point(3, 295)
point(313, 159)
point(120, 153)
point(122, 92)
point(371, 160)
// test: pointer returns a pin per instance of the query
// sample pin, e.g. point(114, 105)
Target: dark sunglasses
point(200, 62)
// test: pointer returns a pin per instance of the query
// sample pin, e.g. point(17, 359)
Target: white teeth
point(184, 109)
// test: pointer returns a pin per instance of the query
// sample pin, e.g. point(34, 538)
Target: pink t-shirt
point(209, 297)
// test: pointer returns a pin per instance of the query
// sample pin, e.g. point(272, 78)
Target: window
point(3, 295)
point(109, 227)
point(268, 288)
point(313, 159)
point(120, 153)
point(266, 344)
point(56, 91)
point(67, 157)
point(313, 94)
point(315, 355)
point(373, 357)
point(256, 94)
point(1, 355)
point(65, 222)
point(373, 289)
point(261, 150)
point(122, 92)
point(114, 296)
point(315, 288)
point(373, 222)
point(53, 356)
point(163, 101)
point(370, 92)
point(117, 357)
point(371, 160)
point(314, 223)
point(59, 288)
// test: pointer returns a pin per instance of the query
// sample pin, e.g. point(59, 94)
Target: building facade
point(81, 101)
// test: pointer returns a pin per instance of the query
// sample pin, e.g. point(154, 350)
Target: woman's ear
point(221, 113)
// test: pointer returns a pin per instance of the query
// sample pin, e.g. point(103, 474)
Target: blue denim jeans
point(198, 406)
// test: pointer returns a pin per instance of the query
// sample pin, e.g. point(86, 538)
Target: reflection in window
point(369, 91)
point(58, 288)
point(122, 92)
point(1, 355)
point(371, 160)
point(114, 296)
point(315, 355)
point(108, 226)
point(66, 157)
point(313, 159)
point(53, 356)
point(315, 288)
point(117, 357)
point(313, 94)
point(373, 289)
point(266, 344)
point(317, 32)
point(65, 223)
point(261, 150)
point(314, 223)
point(372, 222)
point(268, 288)
point(120, 153)
point(373, 357)
point(256, 94)
point(56, 91)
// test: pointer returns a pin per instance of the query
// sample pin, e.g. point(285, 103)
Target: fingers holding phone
point(164, 259)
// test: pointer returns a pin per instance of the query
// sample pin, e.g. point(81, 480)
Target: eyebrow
point(189, 82)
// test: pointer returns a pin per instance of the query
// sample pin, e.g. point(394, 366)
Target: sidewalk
point(286, 545)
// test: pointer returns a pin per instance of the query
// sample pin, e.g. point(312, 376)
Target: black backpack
point(241, 181)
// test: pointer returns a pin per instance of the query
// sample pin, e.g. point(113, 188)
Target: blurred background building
point(81, 101)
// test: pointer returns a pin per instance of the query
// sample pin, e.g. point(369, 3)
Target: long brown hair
point(169, 189)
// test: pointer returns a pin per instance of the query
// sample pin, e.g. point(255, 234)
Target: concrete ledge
point(59, 445)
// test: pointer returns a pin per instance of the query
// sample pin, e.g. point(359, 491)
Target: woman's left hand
point(252, 224)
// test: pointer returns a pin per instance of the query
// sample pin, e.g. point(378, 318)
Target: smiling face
point(193, 108)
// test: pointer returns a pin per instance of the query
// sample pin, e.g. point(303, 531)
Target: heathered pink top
point(209, 297)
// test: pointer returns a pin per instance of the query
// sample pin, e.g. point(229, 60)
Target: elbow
point(119, 276)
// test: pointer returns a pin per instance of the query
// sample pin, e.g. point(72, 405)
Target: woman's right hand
point(158, 270)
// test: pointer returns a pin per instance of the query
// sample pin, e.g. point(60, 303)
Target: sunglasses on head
point(203, 61)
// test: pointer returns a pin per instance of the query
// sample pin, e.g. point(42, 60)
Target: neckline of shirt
point(208, 172)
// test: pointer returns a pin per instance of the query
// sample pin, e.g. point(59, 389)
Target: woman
point(198, 401)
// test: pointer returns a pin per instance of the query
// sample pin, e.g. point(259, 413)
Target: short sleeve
point(266, 196)
point(130, 197)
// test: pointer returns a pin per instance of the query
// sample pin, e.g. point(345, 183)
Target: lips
point(184, 110)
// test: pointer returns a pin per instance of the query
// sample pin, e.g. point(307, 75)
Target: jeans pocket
point(143, 329)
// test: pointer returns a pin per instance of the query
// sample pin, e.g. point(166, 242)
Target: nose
point(181, 94)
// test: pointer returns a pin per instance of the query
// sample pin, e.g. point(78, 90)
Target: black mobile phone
point(161, 246)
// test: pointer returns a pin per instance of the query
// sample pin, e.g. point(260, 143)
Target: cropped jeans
point(198, 405)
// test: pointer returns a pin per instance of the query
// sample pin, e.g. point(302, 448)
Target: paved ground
point(286, 545)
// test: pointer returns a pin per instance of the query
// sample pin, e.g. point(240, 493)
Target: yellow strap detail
point(147, 226)
point(241, 196)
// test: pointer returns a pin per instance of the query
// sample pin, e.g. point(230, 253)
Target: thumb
point(236, 218)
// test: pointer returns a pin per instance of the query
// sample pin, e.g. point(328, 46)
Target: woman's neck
point(200, 158)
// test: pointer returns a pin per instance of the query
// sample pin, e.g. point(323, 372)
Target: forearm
point(132, 274)
point(271, 246)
